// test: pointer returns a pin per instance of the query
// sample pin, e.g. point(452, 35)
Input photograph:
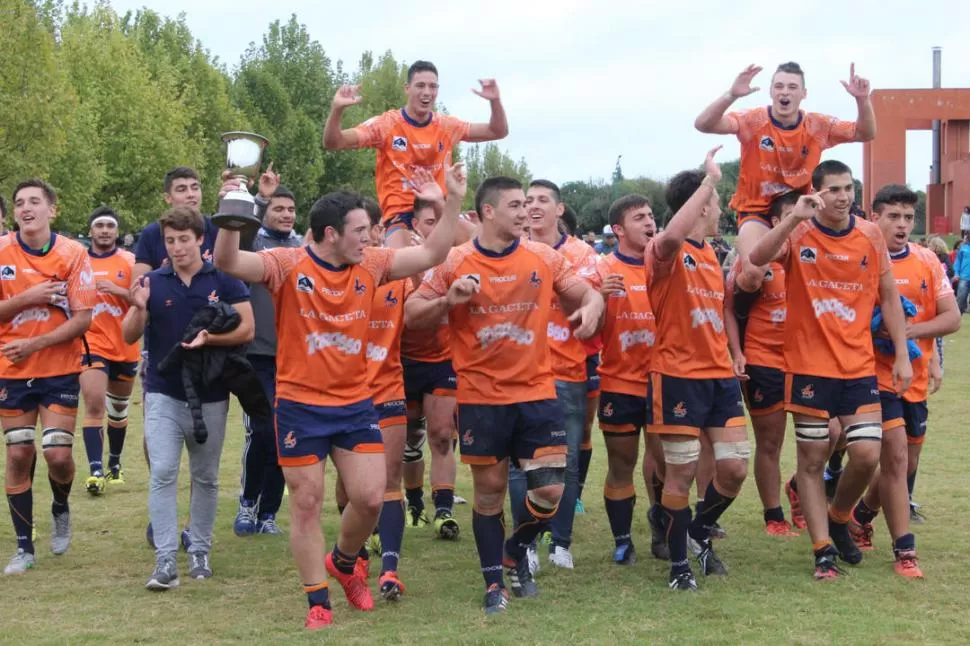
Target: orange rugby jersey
point(832, 280)
point(385, 374)
point(430, 346)
point(569, 353)
point(22, 268)
point(776, 159)
point(404, 145)
point(629, 330)
point(322, 314)
point(687, 294)
point(499, 338)
point(104, 337)
point(764, 335)
point(920, 278)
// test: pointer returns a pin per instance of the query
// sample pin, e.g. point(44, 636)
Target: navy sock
point(443, 498)
point(776, 514)
point(864, 514)
point(715, 503)
point(619, 511)
point(22, 512)
point(94, 447)
point(533, 523)
point(658, 488)
point(343, 562)
point(317, 594)
point(390, 526)
point(585, 457)
point(911, 483)
point(905, 543)
point(116, 444)
point(416, 497)
point(61, 493)
point(489, 535)
point(835, 462)
point(677, 522)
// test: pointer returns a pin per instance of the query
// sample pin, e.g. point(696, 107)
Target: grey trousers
point(168, 425)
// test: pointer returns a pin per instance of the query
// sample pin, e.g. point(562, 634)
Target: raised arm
point(410, 261)
point(39, 295)
point(772, 242)
point(133, 325)
point(425, 310)
point(498, 125)
point(667, 243)
point(333, 137)
point(858, 87)
point(713, 120)
point(895, 323)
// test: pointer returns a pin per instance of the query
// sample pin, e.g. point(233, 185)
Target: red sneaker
point(907, 565)
point(391, 586)
point(362, 568)
point(861, 535)
point(358, 594)
point(779, 528)
point(318, 617)
point(797, 518)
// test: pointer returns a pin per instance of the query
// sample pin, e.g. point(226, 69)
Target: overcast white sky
point(583, 82)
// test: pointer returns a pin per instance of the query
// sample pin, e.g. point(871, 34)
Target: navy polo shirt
point(150, 249)
point(171, 306)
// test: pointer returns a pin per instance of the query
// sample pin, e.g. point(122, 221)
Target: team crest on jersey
point(8, 272)
point(804, 151)
point(121, 275)
point(441, 147)
point(359, 288)
point(475, 277)
point(689, 262)
point(290, 440)
point(808, 254)
point(399, 143)
point(758, 396)
point(864, 263)
point(3, 394)
point(534, 279)
point(767, 143)
point(769, 275)
point(213, 297)
point(304, 284)
point(607, 410)
point(390, 300)
point(207, 255)
point(680, 410)
point(923, 286)
point(808, 392)
point(467, 439)
point(168, 302)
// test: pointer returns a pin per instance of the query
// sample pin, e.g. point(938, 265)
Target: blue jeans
point(572, 397)
point(963, 290)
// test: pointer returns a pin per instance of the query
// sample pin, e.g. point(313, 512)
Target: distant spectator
point(129, 241)
point(961, 270)
point(937, 245)
point(590, 238)
point(568, 220)
point(956, 249)
point(721, 247)
point(608, 244)
point(965, 222)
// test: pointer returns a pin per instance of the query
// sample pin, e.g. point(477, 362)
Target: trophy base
point(236, 212)
point(233, 222)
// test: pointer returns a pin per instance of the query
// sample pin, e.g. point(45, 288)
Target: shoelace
point(270, 523)
point(200, 560)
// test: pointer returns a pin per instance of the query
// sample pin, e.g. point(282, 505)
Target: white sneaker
point(20, 563)
point(561, 557)
point(533, 558)
point(61, 534)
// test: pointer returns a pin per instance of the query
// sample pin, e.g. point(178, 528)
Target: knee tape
point(19, 435)
point(414, 447)
point(732, 450)
point(544, 477)
point(681, 452)
point(863, 431)
point(117, 408)
point(812, 431)
point(57, 438)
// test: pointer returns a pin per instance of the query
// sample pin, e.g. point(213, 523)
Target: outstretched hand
point(742, 84)
point(489, 90)
point(711, 167)
point(346, 96)
point(425, 187)
point(856, 85)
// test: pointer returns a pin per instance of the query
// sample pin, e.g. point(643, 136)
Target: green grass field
point(95, 593)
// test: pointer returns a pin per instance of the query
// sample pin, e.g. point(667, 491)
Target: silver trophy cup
point(244, 155)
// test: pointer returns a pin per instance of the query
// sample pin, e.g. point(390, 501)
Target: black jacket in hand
point(210, 364)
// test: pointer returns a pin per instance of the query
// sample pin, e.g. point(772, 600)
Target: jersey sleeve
point(564, 274)
point(941, 283)
point(278, 263)
point(829, 131)
point(747, 122)
point(371, 133)
point(655, 266)
point(232, 290)
point(456, 128)
point(437, 281)
point(377, 261)
point(81, 294)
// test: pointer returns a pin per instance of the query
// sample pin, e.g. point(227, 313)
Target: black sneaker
point(915, 515)
point(707, 558)
point(848, 550)
point(496, 599)
point(520, 577)
point(826, 565)
point(682, 580)
point(165, 576)
point(658, 534)
point(200, 566)
point(625, 554)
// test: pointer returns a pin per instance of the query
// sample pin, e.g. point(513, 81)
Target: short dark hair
point(791, 67)
point(826, 169)
point(331, 211)
point(282, 191)
point(3, 208)
point(779, 202)
point(569, 220)
point(893, 194)
point(101, 211)
point(180, 172)
point(374, 213)
point(623, 204)
point(421, 66)
point(488, 192)
point(182, 218)
point(47, 189)
point(420, 205)
point(550, 186)
point(680, 187)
